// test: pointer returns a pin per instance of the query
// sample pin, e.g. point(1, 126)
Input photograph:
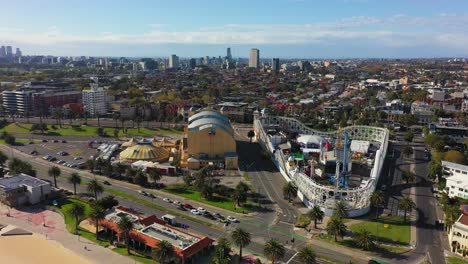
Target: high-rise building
point(275, 64)
point(2, 51)
point(95, 100)
point(9, 51)
point(193, 63)
point(206, 61)
point(173, 61)
point(254, 58)
point(18, 52)
point(228, 54)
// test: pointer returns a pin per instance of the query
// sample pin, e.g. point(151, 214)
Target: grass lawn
point(349, 243)
point(218, 201)
point(21, 141)
point(455, 260)
point(386, 229)
point(64, 206)
point(139, 258)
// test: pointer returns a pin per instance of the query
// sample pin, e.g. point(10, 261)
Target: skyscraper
point(2, 51)
point(9, 51)
point(275, 65)
point(254, 58)
point(173, 61)
point(18, 52)
point(228, 54)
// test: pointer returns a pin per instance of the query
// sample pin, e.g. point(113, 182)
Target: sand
point(36, 249)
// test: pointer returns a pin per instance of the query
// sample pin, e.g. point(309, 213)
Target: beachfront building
point(148, 231)
point(458, 234)
point(209, 139)
point(23, 189)
point(457, 179)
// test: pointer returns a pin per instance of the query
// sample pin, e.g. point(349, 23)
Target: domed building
point(145, 151)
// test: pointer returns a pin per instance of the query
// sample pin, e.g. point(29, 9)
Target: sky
point(196, 28)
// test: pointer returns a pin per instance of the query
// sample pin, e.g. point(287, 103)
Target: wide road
point(260, 231)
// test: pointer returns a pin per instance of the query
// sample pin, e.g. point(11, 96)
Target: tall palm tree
point(290, 191)
point(77, 211)
point(340, 210)
point(239, 195)
point(125, 225)
point(364, 240)
point(307, 255)
point(406, 204)
point(336, 227)
point(97, 214)
point(95, 188)
point(315, 214)
point(241, 239)
point(377, 199)
point(54, 171)
point(274, 250)
point(222, 251)
point(74, 179)
point(163, 252)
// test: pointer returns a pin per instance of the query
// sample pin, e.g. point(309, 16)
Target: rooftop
point(456, 166)
point(173, 236)
point(14, 182)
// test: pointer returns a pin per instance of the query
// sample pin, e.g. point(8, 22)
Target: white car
point(231, 219)
point(176, 202)
point(167, 200)
point(142, 192)
point(195, 212)
point(201, 210)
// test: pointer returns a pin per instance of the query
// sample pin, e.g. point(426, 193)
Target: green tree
point(455, 157)
point(77, 211)
point(315, 214)
point(407, 150)
point(435, 170)
point(97, 214)
point(336, 227)
point(407, 205)
point(3, 159)
point(222, 251)
point(74, 179)
point(18, 166)
point(364, 240)
point(95, 188)
point(340, 210)
point(241, 239)
point(107, 202)
point(307, 255)
point(91, 164)
point(409, 136)
point(408, 176)
point(274, 250)
point(240, 193)
point(154, 175)
point(54, 171)
point(377, 200)
point(290, 191)
point(164, 252)
point(250, 135)
point(126, 225)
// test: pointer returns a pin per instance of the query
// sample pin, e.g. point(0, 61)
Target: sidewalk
point(55, 230)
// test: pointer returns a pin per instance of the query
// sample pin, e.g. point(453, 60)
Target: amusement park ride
point(340, 179)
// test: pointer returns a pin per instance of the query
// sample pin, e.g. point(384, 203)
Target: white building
point(95, 100)
point(457, 181)
point(458, 235)
point(173, 61)
point(23, 189)
point(254, 58)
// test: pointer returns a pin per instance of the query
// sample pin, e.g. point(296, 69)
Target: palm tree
point(307, 255)
point(364, 240)
point(290, 191)
point(336, 227)
point(239, 195)
point(97, 214)
point(241, 239)
point(340, 210)
point(154, 175)
point(163, 252)
point(406, 204)
point(274, 250)
point(77, 211)
point(407, 150)
point(91, 164)
point(95, 188)
point(125, 225)
point(74, 179)
point(407, 176)
point(222, 251)
point(315, 214)
point(54, 171)
point(377, 199)
point(250, 135)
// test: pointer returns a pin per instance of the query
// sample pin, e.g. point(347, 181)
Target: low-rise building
point(458, 235)
point(457, 180)
point(23, 189)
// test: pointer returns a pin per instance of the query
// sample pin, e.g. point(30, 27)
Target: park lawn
point(395, 232)
point(134, 256)
point(64, 206)
point(455, 260)
point(21, 141)
point(218, 201)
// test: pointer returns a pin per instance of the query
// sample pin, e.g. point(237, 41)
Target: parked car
point(167, 200)
point(231, 219)
point(177, 203)
point(106, 183)
point(60, 162)
point(151, 195)
point(218, 215)
point(46, 157)
point(195, 212)
point(44, 140)
point(201, 210)
point(64, 141)
point(56, 141)
point(33, 152)
point(77, 158)
point(188, 206)
point(142, 192)
point(52, 159)
point(182, 208)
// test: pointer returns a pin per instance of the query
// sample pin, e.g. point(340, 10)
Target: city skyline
point(288, 28)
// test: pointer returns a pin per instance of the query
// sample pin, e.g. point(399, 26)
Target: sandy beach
point(36, 249)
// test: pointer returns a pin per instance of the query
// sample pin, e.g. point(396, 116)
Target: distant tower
point(254, 58)
point(275, 65)
point(18, 52)
point(228, 54)
point(2, 51)
point(9, 51)
point(173, 61)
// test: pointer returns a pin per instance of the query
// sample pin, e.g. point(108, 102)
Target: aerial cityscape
point(287, 131)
